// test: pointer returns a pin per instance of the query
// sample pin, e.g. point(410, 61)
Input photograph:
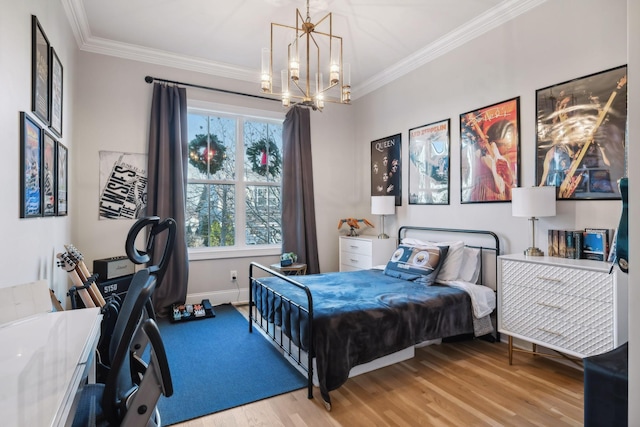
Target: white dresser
point(575, 307)
point(364, 252)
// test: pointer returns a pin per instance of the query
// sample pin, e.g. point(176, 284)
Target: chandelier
point(309, 52)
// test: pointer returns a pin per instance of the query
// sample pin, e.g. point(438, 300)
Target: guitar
point(570, 182)
point(622, 243)
point(69, 266)
point(83, 272)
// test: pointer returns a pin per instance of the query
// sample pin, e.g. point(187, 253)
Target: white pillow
point(452, 263)
point(470, 268)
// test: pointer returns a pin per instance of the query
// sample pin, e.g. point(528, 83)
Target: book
point(562, 243)
point(578, 237)
point(555, 243)
point(550, 250)
point(595, 244)
point(571, 245)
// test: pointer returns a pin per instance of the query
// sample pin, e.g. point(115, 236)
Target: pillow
point(470, 268)
point(451, 267)
point(418, 263)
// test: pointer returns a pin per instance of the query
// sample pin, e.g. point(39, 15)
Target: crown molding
point(489, 20)
point(483, 23)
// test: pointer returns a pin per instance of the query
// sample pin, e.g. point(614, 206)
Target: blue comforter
point(362, 315)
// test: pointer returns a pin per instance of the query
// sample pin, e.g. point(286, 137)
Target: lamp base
point(533, 252)
point(383, 236)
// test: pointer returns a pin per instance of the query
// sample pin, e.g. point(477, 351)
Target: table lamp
point(533, 202)
point(383, 205)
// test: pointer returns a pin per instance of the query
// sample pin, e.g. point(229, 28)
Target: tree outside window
point(234, 177)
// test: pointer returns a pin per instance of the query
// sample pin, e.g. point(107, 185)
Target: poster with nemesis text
point(123, 185)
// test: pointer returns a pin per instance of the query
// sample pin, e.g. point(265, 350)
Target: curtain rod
point(150, 80)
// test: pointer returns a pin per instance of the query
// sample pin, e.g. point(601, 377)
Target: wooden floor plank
point(462, 383)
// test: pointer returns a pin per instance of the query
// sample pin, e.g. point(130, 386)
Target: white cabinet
point(576, 307)
point(364, 252)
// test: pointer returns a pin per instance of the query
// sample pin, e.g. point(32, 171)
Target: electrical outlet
point(234, 275)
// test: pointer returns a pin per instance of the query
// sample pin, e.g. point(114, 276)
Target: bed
point(334, 325)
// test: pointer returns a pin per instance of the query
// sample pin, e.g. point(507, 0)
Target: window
point(234, 177)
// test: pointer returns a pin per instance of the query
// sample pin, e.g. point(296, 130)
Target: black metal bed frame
point(295, 354)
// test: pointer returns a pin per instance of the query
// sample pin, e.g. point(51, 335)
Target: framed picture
point(49, 148)
point(40, 60)
point(56, 94)
point(30, 167)
point(429, 152)
point(581, 135)
point(386, 167)
point(490, 152)
point(62, 182)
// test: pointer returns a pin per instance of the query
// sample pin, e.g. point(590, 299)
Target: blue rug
point(216, 364)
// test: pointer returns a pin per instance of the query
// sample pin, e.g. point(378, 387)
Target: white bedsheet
point(483, 298)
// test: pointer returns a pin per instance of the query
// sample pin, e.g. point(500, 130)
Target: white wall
point(553, 43)
point(112, 113)
point(28, 245)
point(633, 50)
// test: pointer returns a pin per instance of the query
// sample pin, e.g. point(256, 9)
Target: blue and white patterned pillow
point(417, 263)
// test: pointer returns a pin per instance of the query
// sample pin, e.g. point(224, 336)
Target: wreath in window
point(264, 157)
point(207, 157)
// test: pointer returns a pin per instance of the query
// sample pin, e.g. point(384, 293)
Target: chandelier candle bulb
point(334, 73)
point(266, 70)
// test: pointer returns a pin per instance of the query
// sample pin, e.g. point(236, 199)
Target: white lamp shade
point(383, 205)
point(533, 201)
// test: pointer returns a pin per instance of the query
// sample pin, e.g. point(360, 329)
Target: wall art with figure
point(581, 135)
point(386, 167)
point(490, 152)
point(429, 151)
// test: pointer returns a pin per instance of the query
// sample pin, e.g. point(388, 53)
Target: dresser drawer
point(356, 246)
point(542, 306)
point(356, 260)
point(580, 283)
point(570, 337)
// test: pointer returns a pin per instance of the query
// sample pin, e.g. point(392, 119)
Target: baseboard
point(219, 297)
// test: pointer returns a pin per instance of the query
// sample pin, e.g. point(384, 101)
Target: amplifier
point(114, 267)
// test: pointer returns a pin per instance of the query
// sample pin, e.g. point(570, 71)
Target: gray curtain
point(298, 207)
point(167, 169)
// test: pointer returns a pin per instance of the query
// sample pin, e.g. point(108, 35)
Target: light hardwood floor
point(468, 383)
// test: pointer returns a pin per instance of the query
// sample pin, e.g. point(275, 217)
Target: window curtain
point(298, 207)
point(167, 183)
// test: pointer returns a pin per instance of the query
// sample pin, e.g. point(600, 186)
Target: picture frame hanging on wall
point(40, 81)
point(55, 96)
point(386, 167)
point(581, 136)
point(30, 167)
point(62, 179)
point(490, 152)
point(49, 149)
point(429, 153)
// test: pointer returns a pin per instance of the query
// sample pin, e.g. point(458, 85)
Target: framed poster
point(429, 152)
point(62, 180)
point(581, 135)
point(385, 167)
point(49, 148)
point(56, 94)
point(30, 167)
point(39, 71)
point(490, 152)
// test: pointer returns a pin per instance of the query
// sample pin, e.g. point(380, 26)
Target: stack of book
point(590, 243)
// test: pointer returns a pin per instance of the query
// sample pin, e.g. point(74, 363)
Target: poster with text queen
point(385, 167)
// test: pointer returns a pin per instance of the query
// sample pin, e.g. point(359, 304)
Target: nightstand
point(364, 252)
point(295, 269)
point(576, 307)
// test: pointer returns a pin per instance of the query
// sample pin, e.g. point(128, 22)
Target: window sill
point(202, 254)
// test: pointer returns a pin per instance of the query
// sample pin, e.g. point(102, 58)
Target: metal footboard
point(295, 353)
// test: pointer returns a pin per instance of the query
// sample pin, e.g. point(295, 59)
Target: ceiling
point(383, 39)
